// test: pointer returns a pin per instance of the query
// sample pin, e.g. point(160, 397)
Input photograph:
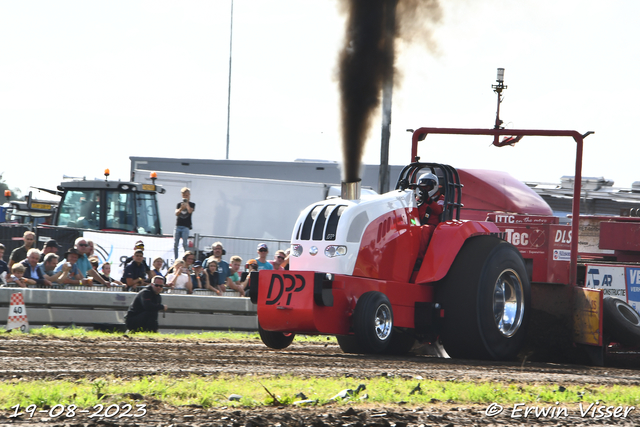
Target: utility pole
point(387, 94)
point(229, 93)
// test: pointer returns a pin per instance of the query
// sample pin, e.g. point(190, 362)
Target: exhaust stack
point(351, 190)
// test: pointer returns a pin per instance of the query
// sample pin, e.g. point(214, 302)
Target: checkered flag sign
point(17, 318)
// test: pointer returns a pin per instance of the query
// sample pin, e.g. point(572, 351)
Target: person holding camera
point(183, 221)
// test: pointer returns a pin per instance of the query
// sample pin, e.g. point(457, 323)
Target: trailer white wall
point(232, 206)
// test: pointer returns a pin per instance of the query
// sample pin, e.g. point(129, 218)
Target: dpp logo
point(593, 279)
point(277, 287)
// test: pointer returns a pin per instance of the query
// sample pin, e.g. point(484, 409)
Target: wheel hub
point(508, 302)
point(383, 322)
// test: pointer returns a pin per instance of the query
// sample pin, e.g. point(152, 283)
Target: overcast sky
point(86, 84)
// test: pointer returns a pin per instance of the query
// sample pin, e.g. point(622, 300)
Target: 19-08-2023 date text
point(70, 411)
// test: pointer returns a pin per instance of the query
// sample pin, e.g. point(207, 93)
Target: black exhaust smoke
point(366, 62)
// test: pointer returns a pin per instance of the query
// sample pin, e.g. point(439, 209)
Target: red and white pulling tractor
point(501, 276)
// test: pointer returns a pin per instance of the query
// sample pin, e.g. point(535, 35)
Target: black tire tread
point(401, 342)
point(462, 334)
point(363, 330)
point(348, 344)
point(616, 325)
point(275, 340)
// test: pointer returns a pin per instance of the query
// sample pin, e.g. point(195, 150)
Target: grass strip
point(214, 391)
point(76, 332)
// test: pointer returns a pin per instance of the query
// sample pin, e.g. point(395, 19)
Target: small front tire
point(373, 322)
point(276, 340)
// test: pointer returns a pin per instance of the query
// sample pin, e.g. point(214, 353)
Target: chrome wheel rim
point(508, 302)
point(383, 322)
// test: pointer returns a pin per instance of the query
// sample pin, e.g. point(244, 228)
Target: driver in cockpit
point(430, 201)
point(430, 207)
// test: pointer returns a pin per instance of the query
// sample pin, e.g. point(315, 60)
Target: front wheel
point(373, 322)
point(276, 340)
point(486, 298)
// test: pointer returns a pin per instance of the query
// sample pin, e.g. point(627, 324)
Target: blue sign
point(633, 287)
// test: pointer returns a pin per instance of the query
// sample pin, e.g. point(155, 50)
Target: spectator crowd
point(79, 266)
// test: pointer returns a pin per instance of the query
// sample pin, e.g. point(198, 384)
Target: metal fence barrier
point(123, 288)
point(103, 308)
point(245, 247)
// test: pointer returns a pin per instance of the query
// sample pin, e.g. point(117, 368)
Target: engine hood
point(490, 191)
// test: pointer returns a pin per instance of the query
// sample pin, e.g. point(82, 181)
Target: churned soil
point(32, 357)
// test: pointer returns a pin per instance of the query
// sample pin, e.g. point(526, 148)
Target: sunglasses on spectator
point(280, 257)
point(158, 286)
point(262, 250)
point(82, 244)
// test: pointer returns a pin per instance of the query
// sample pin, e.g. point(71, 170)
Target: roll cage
point(511, 137)
point(448, 182)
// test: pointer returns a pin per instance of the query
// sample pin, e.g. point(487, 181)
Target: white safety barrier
point(101, 309)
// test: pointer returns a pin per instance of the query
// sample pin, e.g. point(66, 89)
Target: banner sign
point(616, 281)
point(116, 248)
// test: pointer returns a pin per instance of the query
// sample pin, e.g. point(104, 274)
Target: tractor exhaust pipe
point(351, 190)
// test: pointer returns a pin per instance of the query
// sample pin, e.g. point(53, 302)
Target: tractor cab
point(109, 205)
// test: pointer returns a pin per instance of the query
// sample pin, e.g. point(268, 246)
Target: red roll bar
point(420, 134)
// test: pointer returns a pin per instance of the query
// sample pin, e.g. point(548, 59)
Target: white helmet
point(428, 184)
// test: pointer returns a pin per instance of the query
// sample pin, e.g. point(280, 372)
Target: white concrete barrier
point(62, 307)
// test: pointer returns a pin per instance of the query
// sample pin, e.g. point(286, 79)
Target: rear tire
point(621, 322)
point(275, 340)
point(373, 322)
point(348, 344)
point(402, 341)
point(486, 297)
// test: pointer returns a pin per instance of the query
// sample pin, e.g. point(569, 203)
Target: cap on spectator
point(139, 245)
point(71, 251)
point(263, 246)
point(252, 262)
point(51, 243)
point(197, 263)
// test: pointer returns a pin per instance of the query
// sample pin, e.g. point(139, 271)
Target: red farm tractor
point(500, 275)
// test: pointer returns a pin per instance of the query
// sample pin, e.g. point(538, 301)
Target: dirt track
point(37, 358)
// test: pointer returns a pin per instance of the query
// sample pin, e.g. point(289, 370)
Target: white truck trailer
point(239, 207)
